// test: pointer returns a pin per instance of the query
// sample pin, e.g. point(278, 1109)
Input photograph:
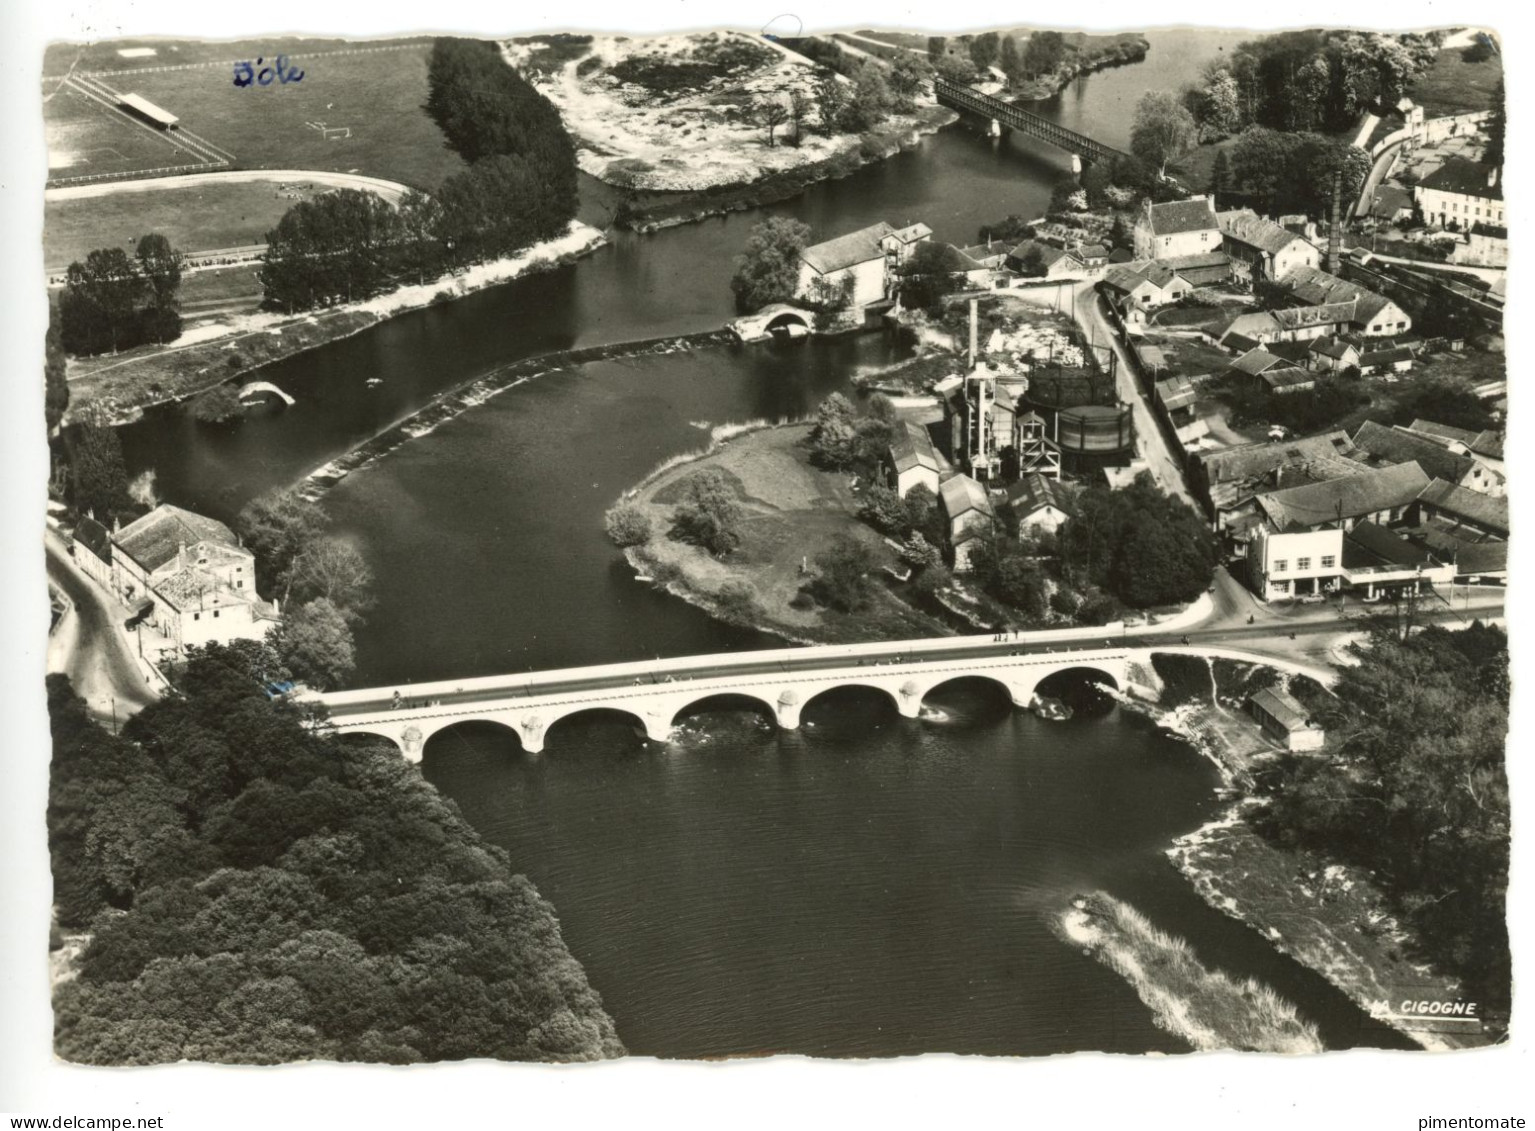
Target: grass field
point(106, 55)
point(85, 137)
point(1454, 86)
point(194, 218)
point(228, 290)
point(792, 511)
point(375, 89)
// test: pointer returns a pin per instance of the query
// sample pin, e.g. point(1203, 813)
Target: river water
point(867, 885)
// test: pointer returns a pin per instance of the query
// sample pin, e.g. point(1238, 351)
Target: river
point(864, 886)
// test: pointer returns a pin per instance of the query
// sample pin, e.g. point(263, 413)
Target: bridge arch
point(727, 700)
point(633, 718)
point(894, 697)
point(785, 319)
point(1009, 691)
point(441, 736)
point(259, 388)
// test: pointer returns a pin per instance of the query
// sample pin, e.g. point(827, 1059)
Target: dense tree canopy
point(486, 109)
point(1308, 80)
point(98, 475)
point(708, 515)
point(337, 247)
point(257, 893)
point(767, 271)
point(1144, 546)
point(1415, 790)
point(1278, 172)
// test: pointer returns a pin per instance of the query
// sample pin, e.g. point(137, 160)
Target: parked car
point(280, 688)
point(1312, 598)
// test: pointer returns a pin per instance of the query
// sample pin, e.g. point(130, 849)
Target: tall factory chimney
point(974, 355)
point(1335, 227)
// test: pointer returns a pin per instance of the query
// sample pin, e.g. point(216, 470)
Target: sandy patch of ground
point(690, 138)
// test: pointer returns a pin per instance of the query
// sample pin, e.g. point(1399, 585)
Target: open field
point(198, 217)
point(125, 55)
point(227, 290)
point(792, 511)
point(375, 90)
point(1454, 86)
point(86, 138)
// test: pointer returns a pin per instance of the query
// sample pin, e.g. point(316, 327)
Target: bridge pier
point(658, 727)
point(787, 709)
point(532, 728)
point(1076, 164)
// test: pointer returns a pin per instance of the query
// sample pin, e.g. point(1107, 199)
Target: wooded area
point(256, 893)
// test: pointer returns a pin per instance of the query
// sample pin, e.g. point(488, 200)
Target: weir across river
point(656, 693)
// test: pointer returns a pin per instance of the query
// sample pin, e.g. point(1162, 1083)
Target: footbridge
point(782, 681)
point(958, 96)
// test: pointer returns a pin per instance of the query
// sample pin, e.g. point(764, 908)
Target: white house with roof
point(865, 257)
point(1462, 193)
point(970, 517)
point(1177, 227)
point(1373, 315)
point(201, 581)
point(912, 459)
point(1040, 503)
point(1323, 537)
point(1262, 249)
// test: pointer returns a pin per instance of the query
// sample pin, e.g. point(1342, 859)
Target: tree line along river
point(866, 885)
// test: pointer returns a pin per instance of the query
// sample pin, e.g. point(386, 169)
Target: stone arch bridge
point(783, 681)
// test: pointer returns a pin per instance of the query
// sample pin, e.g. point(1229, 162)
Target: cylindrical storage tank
point(1096, 428)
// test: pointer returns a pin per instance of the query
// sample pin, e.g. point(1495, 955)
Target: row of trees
point(114, 301)
point(257, 893)
point(520, 188)
point(1415, 790)
point(1307, 80)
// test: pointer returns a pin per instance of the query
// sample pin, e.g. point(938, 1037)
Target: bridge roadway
point(958, 96)
point(656, 692)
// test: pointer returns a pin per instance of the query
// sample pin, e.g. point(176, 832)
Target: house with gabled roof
point(1056, 262)
point(1040, 503)
point(1373, 315)
point(1260, 249)
point(1486, 447)
point(200, 580)
point(1333, 354)
point(1177, 227)
point(1462, 192)
point(864, 257)
point(1378, 445)
point(970, 517)
point(912, 459)
point(1228, 480)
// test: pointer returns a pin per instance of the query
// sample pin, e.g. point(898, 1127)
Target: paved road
point(1306, 634)
point(1166, 466)
point(90, 645)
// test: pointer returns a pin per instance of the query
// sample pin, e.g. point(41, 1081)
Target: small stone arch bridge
point(778, 315)
point(656, 693)
point(258, 388)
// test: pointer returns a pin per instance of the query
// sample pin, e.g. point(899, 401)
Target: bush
point(627, 525)
point(217, 405)
point(708, 516)
point(736, 602)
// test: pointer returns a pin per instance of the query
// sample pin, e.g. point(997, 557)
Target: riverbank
point(1327, 916)
point(1204, 1007)
point(1122, 50)
point(117, 390)
point(651, 211)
